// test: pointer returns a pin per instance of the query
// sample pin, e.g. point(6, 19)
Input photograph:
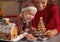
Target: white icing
point(7, 28)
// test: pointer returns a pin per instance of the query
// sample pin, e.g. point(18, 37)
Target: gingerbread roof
point(7, 28)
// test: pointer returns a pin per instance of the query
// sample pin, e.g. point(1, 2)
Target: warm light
point(1, 13)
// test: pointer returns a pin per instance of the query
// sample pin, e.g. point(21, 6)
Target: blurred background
point(13, 7)
point(10, 7)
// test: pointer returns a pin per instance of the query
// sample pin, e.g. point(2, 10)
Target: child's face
point(40, 4)
point(28, 15)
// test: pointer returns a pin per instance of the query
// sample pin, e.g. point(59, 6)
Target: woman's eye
point(43, 2)
point(37, 2)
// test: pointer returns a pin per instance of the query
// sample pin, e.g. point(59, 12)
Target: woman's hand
point(51, 33)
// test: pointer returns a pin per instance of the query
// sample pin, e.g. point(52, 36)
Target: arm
point(18, 22)
point(56, 28)
point(56, 16)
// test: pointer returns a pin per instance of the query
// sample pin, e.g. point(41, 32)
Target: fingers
point(51, 33)
point(30, 37)
point(26, 30)
point(47, 32)
point(33, 28)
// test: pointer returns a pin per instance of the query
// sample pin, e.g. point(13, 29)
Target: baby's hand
point(26, 30)
point(33, 29)
point(51, 33)
point(30, 37)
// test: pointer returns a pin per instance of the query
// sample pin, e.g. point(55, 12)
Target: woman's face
point(29, 15)
point(40, 4)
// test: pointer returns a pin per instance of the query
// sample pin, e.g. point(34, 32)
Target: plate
point(19, 37)
point(45, 38)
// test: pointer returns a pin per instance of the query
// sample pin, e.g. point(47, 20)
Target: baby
point(23, 21)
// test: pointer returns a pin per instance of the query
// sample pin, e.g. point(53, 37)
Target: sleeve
point(17, 21)
point(56, 17)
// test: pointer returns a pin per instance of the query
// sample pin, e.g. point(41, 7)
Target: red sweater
point(50, 17)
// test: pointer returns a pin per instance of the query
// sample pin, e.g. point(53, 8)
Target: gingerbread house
point(8, 32)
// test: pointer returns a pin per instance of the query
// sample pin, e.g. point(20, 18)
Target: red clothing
point(50, 17)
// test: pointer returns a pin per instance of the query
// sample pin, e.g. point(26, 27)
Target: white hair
point(29, 8)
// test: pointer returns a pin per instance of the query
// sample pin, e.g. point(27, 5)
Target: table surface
point(53, 39)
